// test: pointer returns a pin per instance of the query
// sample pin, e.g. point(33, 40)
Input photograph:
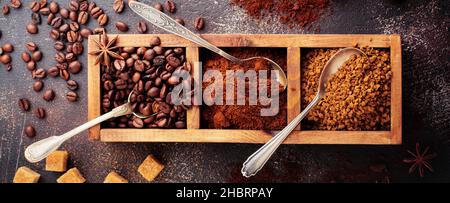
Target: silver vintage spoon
point(256, 161)
point(166, 23)
point(41, 149)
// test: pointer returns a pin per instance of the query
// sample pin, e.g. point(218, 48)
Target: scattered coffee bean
point(29, 131)
point(118, 6)
point(50, 18)
point(8, 48)
point(72, 85)
point(16, 4)
point(39, 73)
point(53, 71)
point(24, 104)
point(36, 56)
point(72, 96)
point(56, 22)
point(199, 23)
point(180, 21)
point(64, 13)
point(38, 85)
point(74, 5)
point(75, 67)
point(83, 17)
point(31, 65)
point(64, 74)
point(142, 27)
point(44, 11)
point(121, 26)
point(31, 46)
point(155, 41)
point(96, 12)
point(85, 32)
point(26, 57)
point(159, 6)
point(5, 59)
point(91, 6)
point(5, 9)
point(102, 19)
point(64, 27)
point(84, 6)
point(74, 26)
point(59, 45)
point(54, 7)
point(170, 6)
point(39, 113)
point(36, 18)
point(73, 16)
point(54, 34)
point(32, 28)
point(49, 95)
point(35, 6)
point(77, 48)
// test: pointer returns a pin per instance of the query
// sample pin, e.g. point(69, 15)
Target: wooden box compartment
point(293, 44)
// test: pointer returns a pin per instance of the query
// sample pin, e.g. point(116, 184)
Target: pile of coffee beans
point(147, 72)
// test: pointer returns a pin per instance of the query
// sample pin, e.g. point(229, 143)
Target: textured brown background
point(423, 25)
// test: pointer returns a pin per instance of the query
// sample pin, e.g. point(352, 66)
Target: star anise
point(420, 160)
point(105, 50)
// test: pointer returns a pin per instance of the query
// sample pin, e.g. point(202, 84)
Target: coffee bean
point(178, 51)
point(26, 57)
point(70, 57)
point(180, 21)
point(142, 27)
point(36, 56)
point(39, 113)
point(74, 26)
point(64, 74)
point(60, 57)
point(96, 12)
point(16, 4)
point(158, 50)
point(44, 11)
point(73, 16)
point(24, 104)
point(72, 96)
point(38, 85)
point(56, 22)
point(5, 9)
point(84, 6)
point(155, 41)
point(75, 67)
point(118, 6)
point(59, 45)
point(31, 46)
point(77, 48)
point(54, 7)
point(120, 84)
point(8, 48)
point(173, 61)
point(35, 6)
point(64, 28)
point(54, 34)
point(119, 65)
point(73, 5)
point(5, 59)
point(50, 17)
point(180, 124)
point(170, 6)
point(159, 61)
point(32, 28)
point(53, 71)
point(149, 54)
point(199, 23)
point(31, 65)
point(64, 13)
point(83, 17)
point(121, 26)
point(29, 131)
point(162, 122)
point(138, 123)
point(49, 95)
point(91, 6)
point(36, 18)
point(39, 73)
point(72, 85)
point(102, 19)
point(139, 66)
point(85, 32)
point(159, 6)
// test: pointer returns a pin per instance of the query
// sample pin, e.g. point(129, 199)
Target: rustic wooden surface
point(426, 103)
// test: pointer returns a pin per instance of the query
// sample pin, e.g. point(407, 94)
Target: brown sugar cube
point(73, 175)
point(57, 161)
point(114, 177)
point(26, 175)
point(150, 168)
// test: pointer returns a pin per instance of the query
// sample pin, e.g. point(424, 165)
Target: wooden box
point(293, 43)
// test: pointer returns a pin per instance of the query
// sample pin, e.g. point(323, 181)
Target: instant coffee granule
point(357, 97)
point(243, 116)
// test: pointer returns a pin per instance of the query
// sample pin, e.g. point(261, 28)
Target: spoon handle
point(168, 24)
point(41, 149)
point(256, 161)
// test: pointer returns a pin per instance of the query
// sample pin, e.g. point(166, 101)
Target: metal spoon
point(256, 161)
point(166, 23)
point(41, 149)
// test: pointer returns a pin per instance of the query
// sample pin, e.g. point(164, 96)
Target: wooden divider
point(193, 114)
point(293, 89)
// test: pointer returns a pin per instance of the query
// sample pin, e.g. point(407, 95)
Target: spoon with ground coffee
point(168, 24)
point(256, 161)
point(41, 149)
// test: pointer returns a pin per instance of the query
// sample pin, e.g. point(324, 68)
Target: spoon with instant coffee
point(168, 24)
point(256, 161)
point(41, 149)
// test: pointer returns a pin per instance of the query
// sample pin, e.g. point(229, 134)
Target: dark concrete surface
point(423, 25)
